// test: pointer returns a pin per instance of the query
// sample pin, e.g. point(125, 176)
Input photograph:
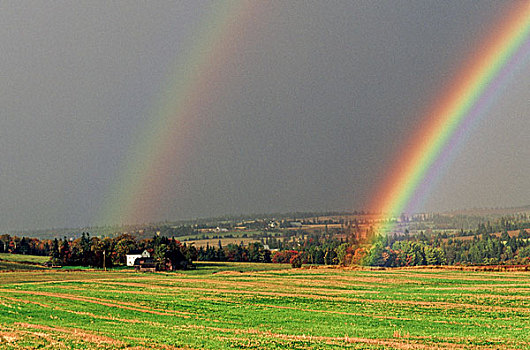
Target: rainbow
point(165, 141)
point(451, 118)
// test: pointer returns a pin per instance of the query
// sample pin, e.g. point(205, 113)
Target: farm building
point(174, 260)
point(145, 264)
point(136, 254)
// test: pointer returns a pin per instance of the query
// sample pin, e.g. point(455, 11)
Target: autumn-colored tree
point(358, 256)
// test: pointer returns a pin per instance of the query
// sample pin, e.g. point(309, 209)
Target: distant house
point(136, 254)
point(266, 247)
point(145, 264)
point(274, 224)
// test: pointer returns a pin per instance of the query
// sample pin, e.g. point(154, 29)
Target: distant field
point(224, 241)
point(16, 262)
point(32, 259)
point(13, 266)
point(220, 235)
point(514, 233)
point(265, 306)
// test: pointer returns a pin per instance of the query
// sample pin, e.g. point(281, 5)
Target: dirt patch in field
point(8, 336)
point(237, 273)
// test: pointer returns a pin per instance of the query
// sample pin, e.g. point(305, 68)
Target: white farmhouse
point(136, 254)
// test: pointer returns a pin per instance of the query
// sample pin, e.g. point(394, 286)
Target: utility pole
point(104, 265)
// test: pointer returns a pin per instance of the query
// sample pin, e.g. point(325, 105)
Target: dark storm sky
point(325, 92)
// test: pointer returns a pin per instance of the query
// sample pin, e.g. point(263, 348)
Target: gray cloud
point(306, 117)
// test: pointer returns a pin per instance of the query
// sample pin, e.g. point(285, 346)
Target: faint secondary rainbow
point(454, 111)
point(166, 140)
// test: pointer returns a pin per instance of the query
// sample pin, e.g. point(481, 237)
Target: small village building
point(266, 247)
point(145, 264)
point(136, 254)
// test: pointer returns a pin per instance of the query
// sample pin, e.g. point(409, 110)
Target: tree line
point(97, 252)
point(417, 250)
point(476, 247)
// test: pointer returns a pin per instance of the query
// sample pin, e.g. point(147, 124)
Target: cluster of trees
point(97, 252)
point(414, 250)
point(23, 245)
point(254, 252)
point(482, 249)
point(294, 248)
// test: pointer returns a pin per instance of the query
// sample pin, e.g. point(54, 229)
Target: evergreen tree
point(55, 255)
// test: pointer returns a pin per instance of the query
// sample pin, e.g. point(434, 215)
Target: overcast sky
point(324, 94)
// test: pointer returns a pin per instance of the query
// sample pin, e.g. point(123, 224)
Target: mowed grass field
point(265, 306)
point(15, 262)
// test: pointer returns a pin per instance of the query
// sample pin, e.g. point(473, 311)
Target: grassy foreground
point(257, 306)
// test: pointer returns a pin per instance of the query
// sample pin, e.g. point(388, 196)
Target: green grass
point(17, 262)
point(204, 268)
point(30, 259)
point(13, 266)
point(265, 306)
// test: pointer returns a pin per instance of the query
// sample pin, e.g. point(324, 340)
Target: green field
point(29, 259)
point(265, 306)
point(17, 262)
point(219, 235)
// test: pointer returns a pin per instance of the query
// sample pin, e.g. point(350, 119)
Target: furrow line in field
point(397, 343)
point(127, 307)
point(310, 294)
point(429, 304)
point(384, 317)
point(153, 344)
point(104, 303)
point(24, 301)
point(487, 287)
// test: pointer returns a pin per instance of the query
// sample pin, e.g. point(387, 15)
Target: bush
point(296, 261)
